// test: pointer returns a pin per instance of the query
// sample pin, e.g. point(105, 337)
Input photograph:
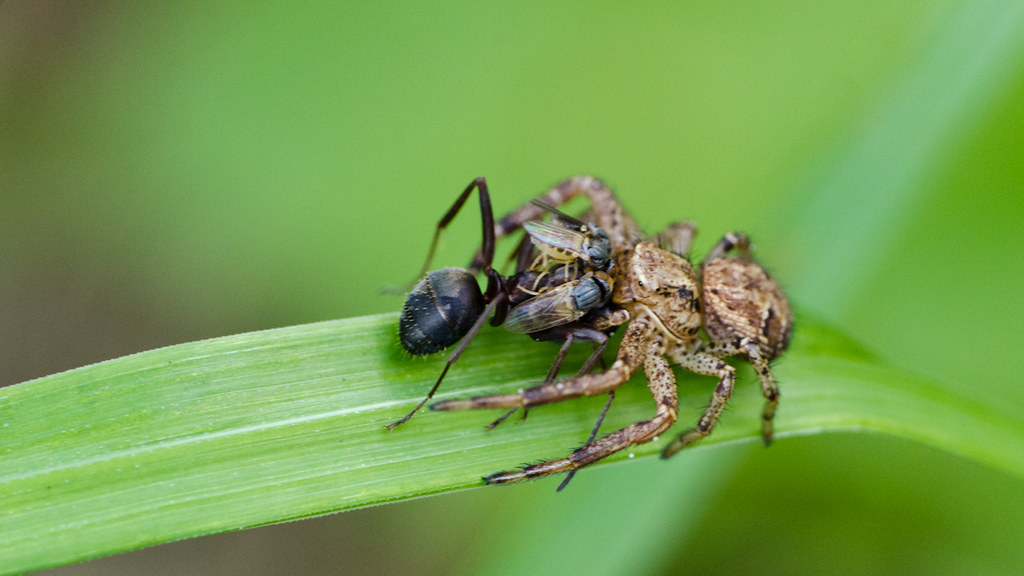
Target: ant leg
point(453, 358)
point(593, 434)
point(486, 215)
point(583, 333)
point(501, 418)
point(573, 334)
point(552, 374)
point(599, 345)
point(662, 384)
point(609, 319)
point(587, 367)
point(709, 365)
point(523, 254)
point(600, 341)
point(631, 353)
point(560, 359)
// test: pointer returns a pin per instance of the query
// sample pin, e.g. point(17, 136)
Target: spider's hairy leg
point(593, 434)
point(662, 384)
point(606, 209)
point(678, 237)
point(764, 374)
point(707, 364)
point(746, 313)
point(737, 241)
point(770, 390)
point(593, 188)
point(597, 338)
point(630, 356)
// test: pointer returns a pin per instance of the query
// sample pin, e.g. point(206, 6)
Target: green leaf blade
point(264, 427)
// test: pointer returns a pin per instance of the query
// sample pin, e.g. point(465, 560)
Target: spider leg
point(599, 347)
point(662, 384)
point(631, 353)
point(552, 374)
point(609, 214)
point(678, 237)
point(737, 241)
point(768, 387)
point(582, 333)
point(763, 369)
point(710, 365)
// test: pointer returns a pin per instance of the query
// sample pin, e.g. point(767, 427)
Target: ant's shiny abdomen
point(440, 310)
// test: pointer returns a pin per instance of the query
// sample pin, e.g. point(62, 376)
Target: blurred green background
point(176, 171)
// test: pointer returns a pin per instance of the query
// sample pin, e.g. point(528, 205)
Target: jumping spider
point(660, 295)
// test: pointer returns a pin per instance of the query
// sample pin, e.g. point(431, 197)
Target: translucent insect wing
point(546, 235)
point(547, 310)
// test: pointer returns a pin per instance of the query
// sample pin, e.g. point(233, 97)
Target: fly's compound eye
point(598, 256)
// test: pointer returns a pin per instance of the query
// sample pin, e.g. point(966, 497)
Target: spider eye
point(640, 283)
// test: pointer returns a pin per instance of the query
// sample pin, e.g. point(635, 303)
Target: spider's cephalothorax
point(656, 290)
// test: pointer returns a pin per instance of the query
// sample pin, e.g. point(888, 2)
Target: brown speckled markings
point(630, 356)
point(655, 287)
point(742, 300)
point(657, 291)
point(745, 313)
point(662, 384)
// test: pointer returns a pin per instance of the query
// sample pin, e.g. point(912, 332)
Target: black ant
point(561, 297)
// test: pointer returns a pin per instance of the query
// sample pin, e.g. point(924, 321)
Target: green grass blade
point(258, 428)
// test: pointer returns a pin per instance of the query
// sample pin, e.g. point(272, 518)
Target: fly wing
point(558, 214)
point(551, 308)
point(546, 235)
